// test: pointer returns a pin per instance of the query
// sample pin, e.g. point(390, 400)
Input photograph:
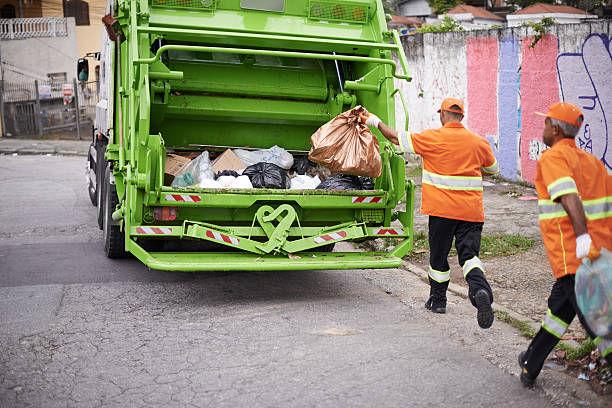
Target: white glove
point(373, 121)
point(583, 245)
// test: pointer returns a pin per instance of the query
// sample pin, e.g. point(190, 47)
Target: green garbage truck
point(180, 76)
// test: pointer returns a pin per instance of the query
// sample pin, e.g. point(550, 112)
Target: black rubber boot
point(481, 296)
point(437, 297)
point(526, 380)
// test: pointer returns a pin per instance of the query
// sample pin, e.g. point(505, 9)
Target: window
point(8, 11)
point(78, 9)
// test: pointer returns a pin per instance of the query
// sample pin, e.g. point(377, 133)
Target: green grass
point(490, 246)
point(525, 329)
point(504, 245)
point(572, 353)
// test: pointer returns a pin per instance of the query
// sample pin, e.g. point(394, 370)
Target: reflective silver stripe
point(471, 264)
point(548, 209)
point(405, 142)
point(562, 186)
point(492, 169)
point(600, 208)
point(594, 209)
point(439, 276)
point(470, 183)
point(554, 325)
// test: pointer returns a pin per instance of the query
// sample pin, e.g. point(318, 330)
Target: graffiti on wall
point(584, 80)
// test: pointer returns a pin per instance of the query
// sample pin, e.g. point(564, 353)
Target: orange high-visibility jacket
point(565, 169)
point(453, 162)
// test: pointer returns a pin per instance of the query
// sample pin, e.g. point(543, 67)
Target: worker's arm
point(573, 207)
point(373, 121)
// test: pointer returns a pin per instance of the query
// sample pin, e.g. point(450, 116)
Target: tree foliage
point(442, 6)
point(446, 25)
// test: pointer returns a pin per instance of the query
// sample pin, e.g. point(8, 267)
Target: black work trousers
point(562, 308)
point(467, 235)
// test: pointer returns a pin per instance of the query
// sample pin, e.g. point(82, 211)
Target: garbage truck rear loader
point(185, 75)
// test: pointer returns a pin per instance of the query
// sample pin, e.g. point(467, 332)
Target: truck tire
point(101, 181)
point(91, 188)
point(114, 238)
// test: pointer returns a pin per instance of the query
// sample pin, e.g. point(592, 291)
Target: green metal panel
point(199, 73)
point(350, 12)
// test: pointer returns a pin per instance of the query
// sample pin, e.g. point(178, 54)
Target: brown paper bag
point(346, 145)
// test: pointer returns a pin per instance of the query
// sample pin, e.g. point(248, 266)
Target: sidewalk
point(44, 146)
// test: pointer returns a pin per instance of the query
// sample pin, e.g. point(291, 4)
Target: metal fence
point(18, 28)
point(39, 108)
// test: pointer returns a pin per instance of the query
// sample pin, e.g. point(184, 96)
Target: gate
point(48, 108)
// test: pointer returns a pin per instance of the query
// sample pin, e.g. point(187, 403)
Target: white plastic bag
point(242, 182)
point(194, 172)
point(304, 182)
point(226, 181)
point(593, 289)
point(275, 155)
point(209, 183)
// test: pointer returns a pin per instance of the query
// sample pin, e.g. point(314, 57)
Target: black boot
point(526, 379)
point(481, 296)
point(437, 296)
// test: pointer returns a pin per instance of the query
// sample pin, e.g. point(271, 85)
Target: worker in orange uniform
point(453, 162)
point(574, 192)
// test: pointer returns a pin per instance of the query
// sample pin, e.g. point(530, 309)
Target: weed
point(525, 329)
point(583, 350)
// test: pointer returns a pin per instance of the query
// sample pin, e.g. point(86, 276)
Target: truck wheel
point(101, 181)
point(114, 238)
point(91, 188)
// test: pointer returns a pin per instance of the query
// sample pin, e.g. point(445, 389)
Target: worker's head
point(451, 111)
point(563, 120)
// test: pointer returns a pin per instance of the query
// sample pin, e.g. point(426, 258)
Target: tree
point(390, 6)
point(442, 6)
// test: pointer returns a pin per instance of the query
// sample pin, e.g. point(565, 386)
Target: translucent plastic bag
point(593, 289)
point(275, 155)
point(194, 172)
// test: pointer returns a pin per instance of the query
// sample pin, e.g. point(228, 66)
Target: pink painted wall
point(539, 89)
point(482, 63)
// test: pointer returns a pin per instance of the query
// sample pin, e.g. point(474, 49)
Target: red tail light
point(165, 213)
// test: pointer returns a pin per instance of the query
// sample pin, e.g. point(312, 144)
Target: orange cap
point(449, 102)
point(565, 112)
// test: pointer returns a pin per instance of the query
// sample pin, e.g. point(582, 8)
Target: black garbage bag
point(267, 175)
point(301, 164)
point(346, 182)
point(226, 173)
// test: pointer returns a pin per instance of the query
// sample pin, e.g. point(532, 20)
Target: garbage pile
point(344, 156)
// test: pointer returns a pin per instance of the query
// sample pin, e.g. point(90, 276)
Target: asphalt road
point(78, 329)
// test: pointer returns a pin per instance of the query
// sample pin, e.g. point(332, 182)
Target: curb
point(460, 291)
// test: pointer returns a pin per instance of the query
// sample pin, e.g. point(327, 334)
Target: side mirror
point(82, 70)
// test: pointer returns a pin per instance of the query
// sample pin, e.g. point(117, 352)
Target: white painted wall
point(414, 8)
point(33, 58)
point(516, 20)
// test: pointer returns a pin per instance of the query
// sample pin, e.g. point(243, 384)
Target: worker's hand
point(585, 247)
point(370, 119)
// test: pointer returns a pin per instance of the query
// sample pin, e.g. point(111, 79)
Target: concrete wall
point(503, 81)
point(88, 37)
point(33, 58)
